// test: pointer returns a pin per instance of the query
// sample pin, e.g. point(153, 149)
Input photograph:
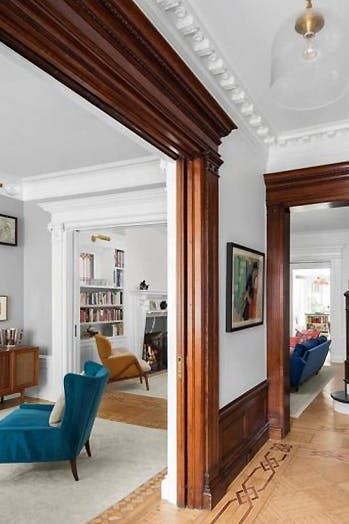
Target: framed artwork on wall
point(3, 307)
point(8, 230)
point(245, 287)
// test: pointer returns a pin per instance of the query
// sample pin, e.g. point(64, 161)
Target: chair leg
point(87, 447)
point(146, 381)
point(141, 379)
point(74, 469)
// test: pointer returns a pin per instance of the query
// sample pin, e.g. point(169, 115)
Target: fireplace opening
point(155, 343)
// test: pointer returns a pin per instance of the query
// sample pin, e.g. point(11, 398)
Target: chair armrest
point(41, 407)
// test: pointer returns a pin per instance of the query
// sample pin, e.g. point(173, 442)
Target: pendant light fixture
point(309, 60)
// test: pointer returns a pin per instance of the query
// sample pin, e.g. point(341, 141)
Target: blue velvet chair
point(26, 436)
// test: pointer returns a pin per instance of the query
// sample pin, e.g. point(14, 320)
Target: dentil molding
point(180, 24)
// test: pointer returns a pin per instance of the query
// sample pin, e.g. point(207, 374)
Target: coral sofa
point(307, 359)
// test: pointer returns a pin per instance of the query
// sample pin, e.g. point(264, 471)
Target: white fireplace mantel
point(138, 308)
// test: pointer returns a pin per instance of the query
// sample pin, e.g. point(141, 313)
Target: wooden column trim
point(278, 263)
point(203, 332)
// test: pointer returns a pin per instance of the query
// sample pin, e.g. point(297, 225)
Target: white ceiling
point(228, 45)
point(307, 219)
point(45, 127)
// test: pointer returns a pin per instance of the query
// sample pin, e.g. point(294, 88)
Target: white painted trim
point(130, 208)
point(169, 484)
point(116, 176)
point(182, 27)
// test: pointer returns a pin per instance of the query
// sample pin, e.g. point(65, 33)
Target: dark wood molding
point(327, 183)
point(109, 53)
point(202, 329)
point(243, 430)
point(278, 270)
point(312, 185)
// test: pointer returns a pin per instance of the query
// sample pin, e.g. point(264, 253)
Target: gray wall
point(37, 277)
point(11, 266)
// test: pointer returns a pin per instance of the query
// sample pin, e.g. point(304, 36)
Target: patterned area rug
point(150, 412)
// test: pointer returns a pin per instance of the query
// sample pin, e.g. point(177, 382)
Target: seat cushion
point(25, 418)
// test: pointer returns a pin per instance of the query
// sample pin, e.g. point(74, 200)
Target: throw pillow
point(57, 412)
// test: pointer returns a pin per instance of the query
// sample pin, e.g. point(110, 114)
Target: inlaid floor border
point(134, 504)
point(250, 492)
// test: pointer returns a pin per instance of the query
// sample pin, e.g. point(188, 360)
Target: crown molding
point(117, 176)
point(134, 207)
point(179, 23)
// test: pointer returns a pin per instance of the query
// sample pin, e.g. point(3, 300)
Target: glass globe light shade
point(311, 71)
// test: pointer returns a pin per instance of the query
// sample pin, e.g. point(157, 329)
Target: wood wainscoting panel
point(243, 429)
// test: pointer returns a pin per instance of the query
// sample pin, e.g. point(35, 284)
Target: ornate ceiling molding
point(196, 41)
point(181, 25)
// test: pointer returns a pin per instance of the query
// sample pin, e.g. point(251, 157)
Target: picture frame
point(8, 230)
point(3, 307)
point(244, 287)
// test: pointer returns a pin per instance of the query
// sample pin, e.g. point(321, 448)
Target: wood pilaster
point(278, 271)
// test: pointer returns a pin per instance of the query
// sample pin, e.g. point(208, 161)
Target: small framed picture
point(3, 307)
point(245, 287)
point(8, 230)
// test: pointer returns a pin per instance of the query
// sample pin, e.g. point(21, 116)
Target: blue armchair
point(26, 436)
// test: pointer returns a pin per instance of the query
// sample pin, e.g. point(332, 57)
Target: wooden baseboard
point(244, 428)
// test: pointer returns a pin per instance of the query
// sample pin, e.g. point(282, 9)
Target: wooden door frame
point(298, 187)
point(109, 53)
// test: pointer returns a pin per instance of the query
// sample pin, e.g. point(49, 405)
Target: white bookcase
point(102, 294)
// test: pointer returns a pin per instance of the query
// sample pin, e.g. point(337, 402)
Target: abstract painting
point(245, 287)
point(8, 230)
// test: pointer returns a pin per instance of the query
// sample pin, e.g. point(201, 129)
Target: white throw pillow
point(57, 412)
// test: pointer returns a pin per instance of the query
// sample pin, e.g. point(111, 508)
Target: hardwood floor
point(141, 410)
point(303, 479)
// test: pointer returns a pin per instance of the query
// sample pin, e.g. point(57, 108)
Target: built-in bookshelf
point(102, 299)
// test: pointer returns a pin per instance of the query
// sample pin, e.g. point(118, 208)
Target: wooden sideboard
point(19, 369)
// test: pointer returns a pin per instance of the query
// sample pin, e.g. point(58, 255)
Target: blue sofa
point(26, 436)
point(307, 359)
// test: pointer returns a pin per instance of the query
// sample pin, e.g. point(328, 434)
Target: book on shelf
point(117, 330)
point(101, 298)
point(119, 258)
point(100, 315)
point(118, 277)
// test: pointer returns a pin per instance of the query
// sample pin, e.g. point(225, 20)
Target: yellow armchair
point(123, 365)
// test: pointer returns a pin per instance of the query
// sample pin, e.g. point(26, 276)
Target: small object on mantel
point(341, 397)
point(91, 331)
point(143, 285)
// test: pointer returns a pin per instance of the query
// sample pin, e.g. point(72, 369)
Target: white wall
point(37, 277)
point(146, 257)
point(242, 220)
point(11, 267)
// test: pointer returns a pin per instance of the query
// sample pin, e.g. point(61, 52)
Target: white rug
point(308, 391)
point(123, 457)
point(157, 386)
